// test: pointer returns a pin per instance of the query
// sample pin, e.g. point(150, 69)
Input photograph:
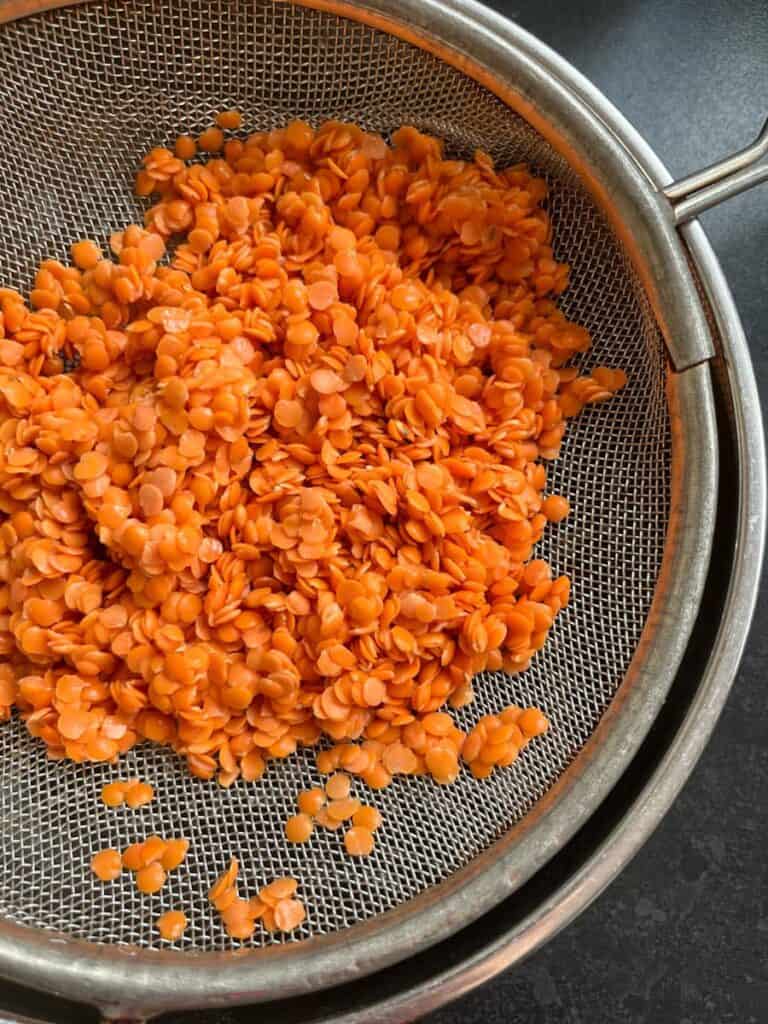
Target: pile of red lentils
point(276, 905)
point(292, 488)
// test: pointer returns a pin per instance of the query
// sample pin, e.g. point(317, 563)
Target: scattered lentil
point(497, 740)
point(275, 906)
point(174, 854)
point(229, 119)
point(172, 925)
point(359, 841)
point(139, 794)
point(289, 914)
point(338, 786)
point(151, 879)
point(367, 817)
point(310, 801)
point(106, 865)
point(298, 828)
point(113, 793)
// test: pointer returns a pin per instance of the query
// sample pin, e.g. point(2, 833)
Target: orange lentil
point(224, 882)
point(343, 810)
point(287, 413)
point(367, 817)
point(532, 723)
point(442, 764)
point(86, 254)
point(230, 120)
point(139, 794)
point(298, 828)
point(152, 850)
point(555, 508)
point(238, 918)
point(496, 740)
point(106, 865)
point(321, 294)
point(151, 878)
point(171, 925)
point(280, 889)
point(174, 853)
point(293, 489)
point(327, 760)
point(310, 801)
point(211, 140)
point(359, 841)
point(133, 857)
point(338, 786)
point(289, 914)
point(324, 820)
point(185, 147)
point(113, 793)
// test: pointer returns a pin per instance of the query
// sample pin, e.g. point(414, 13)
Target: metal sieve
point(85, 90)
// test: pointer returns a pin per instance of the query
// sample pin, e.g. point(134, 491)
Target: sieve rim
point(161, 980)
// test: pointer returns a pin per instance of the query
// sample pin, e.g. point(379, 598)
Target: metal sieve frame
point(161, 980)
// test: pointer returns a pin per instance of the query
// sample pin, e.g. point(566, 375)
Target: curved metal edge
point(159, 982)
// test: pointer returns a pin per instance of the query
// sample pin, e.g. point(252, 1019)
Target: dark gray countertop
point(682, 936)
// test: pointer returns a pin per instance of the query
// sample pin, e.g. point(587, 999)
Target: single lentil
point(106, 865)
point(150, 879)
point(298, 828)
point(171, 925)
point(359, 841)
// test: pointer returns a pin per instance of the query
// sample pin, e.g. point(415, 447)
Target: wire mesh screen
point(84, 92)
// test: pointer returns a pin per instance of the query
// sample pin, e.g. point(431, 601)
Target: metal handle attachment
point(697, 192)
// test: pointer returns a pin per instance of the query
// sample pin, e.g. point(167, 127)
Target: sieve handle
point(703, 189)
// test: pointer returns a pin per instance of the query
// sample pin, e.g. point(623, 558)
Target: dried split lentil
point(299, 828)
point(497, 740)
point(151, 861)
point(171, 925)
point(132, 792)
point(294, 484)
point(276, 905)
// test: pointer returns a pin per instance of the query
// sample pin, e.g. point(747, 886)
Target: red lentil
point(289, 914)
point(298, 828)
point(310, 801)
point(338, 786)
point(229, 119)
point(174, 854)
point(113, 793)
point(139, 794)
point(367, 817)
point(172, 925)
